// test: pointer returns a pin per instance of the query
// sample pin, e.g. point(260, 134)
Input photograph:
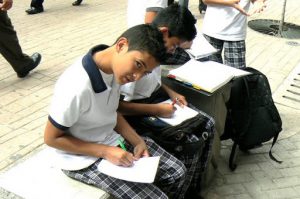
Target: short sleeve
point(150, 4)
point(66, 107)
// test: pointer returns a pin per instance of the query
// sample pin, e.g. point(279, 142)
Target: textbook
point(143, 170)
point(200, 48)
point(181, 114)
point(207, 76)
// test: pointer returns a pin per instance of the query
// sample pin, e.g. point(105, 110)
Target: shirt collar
point(93, 71)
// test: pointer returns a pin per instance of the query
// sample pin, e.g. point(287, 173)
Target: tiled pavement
point(64, 32)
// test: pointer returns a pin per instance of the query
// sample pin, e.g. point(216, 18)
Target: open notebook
point(181, 114)
point(200, 47)
point(207, 76)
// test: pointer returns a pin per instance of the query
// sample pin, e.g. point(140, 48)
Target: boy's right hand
point(119, 157)
point(165, 110)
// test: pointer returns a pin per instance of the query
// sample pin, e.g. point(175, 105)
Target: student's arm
point(161, 109)
point(58, 139)
point(173, 95)
point(230, 3)
point(6, 4)
point(140, 147)
point(222, 2)
point(149, 17)
point(152, 8)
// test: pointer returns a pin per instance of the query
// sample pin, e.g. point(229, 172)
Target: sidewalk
point(64, 32)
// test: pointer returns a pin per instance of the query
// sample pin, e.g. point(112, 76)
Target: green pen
point(121, 143)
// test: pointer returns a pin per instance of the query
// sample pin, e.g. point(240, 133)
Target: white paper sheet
point(143, 170)
point(181, 114)
point(201, 47)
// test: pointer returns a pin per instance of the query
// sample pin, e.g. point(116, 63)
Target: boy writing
point(84, 126)
point(140, 98)
point(177, 25)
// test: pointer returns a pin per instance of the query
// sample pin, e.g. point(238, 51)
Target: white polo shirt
point(142, 88)
point(136, 10)
point(226, 23)
point(84, 105)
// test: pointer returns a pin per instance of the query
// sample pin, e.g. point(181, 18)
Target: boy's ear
point(121, 44)
point(164, 31)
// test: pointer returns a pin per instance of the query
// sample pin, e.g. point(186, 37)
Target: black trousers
point(36, 3)
point(9, 45)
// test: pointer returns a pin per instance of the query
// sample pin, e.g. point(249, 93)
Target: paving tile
point(64, 32)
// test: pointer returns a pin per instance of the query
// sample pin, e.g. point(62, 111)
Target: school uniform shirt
point(144, 87)
point(136, 10)
point(84, 105)
point(226, 23)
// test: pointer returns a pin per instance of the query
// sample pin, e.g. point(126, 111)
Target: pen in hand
point(122, 145)
point(176, 101)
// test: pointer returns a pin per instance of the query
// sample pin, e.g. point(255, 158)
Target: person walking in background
point(10, 48)
point(36, 6)
point(225, 26)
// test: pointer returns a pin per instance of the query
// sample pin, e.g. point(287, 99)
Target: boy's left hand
point(140, 150)
point(180, 98)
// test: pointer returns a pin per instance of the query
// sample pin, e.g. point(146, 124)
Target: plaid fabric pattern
point(197, 163)
point(234, 52)
point(179, 57)
point(168, 183)
point(193, 166)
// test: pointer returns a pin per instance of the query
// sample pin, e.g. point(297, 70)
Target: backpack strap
point(232, 157)
point(270, 152)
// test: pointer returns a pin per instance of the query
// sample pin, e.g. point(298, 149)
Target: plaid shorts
point(169, 180)
point(234, 52)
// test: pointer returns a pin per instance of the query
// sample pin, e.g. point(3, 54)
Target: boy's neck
point(103, 60)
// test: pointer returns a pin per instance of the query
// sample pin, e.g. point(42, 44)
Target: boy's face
point(130, 66)
point(171, 43)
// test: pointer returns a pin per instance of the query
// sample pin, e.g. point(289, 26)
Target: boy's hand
point(165, 110)
point(181, 99)
point(258, 7)
point(6, 4)
point(140, 150)
point(240, 9)
point(119, 157)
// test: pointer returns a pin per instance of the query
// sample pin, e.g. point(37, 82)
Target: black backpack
point(174, 138)
point(252, 116)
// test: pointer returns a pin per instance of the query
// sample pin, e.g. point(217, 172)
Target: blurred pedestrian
point(36, 6)
point(10, 48)
point(225, 27)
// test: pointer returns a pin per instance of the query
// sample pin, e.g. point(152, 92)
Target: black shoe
point(36, 58)
point(34, 10)
point(202, 7)
point(77, 3)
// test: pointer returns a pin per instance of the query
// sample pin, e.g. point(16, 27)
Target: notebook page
point(181, 114)
point(207, 76)
point(201, 47)
point(143, 170)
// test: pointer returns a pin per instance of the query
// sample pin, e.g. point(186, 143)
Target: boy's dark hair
point(148, 39)
point(179, 20)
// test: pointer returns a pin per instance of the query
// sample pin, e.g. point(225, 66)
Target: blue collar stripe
point(57, 125)
point(92, 70)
